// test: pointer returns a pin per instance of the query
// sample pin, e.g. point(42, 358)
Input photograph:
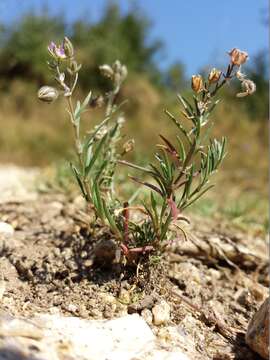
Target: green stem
point(112, 96)
point(224, 81)
point(78, 148)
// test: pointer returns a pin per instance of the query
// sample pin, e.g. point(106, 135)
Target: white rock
point(126, 338)
point(177, 338)
point(6, 229)
point(88, 338)
point(161, 313)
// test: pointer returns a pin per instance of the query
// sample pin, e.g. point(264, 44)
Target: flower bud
point(101, 133)
point(120, 71)
point(47, 94)
point(97, 102)
point(238, 57)
point(121, 120)
point(197, 83)
point(214, 75)
point(51, 48)
point(117, 66)
point(74, 67)
point(62, 77)
point(106, 71)
point(123, 72)
point(57, 52)
point(68, 47)
point(128, 146)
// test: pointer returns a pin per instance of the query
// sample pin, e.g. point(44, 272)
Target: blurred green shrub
point(22, 51)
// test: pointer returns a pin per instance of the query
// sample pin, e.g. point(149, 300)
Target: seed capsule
point(106, 71)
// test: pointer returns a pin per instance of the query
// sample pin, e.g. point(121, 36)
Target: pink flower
point(57, 51)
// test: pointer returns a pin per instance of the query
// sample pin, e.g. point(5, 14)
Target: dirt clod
point(257, 336)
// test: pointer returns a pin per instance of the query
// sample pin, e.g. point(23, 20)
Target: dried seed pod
point(214, 76)
point(238, 57)
point(197, 83)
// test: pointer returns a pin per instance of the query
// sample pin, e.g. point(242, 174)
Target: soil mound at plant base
point(47, 267)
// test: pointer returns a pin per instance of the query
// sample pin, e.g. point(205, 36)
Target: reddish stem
point(126, 221)
point(142, 249)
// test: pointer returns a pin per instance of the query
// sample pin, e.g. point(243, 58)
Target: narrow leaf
point(151, 186)
point(95, 155)
point(80, 183)
point(197, 197)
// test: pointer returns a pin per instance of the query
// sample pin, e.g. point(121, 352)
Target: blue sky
point(197, 32)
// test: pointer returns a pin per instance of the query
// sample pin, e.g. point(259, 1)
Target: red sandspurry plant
point(183, 166)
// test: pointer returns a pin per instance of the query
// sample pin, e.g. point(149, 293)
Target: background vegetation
point(34, 134)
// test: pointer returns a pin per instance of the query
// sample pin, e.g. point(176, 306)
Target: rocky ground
point(197, 302)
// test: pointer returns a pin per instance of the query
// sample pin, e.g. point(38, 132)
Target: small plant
point(96, 150)
point(181, 173)
point(183, 166)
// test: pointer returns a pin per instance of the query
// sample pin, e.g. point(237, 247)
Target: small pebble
point(124, 296)
point(84, 254)
point(72, 308)
point(161, 313)
point(6, 229)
